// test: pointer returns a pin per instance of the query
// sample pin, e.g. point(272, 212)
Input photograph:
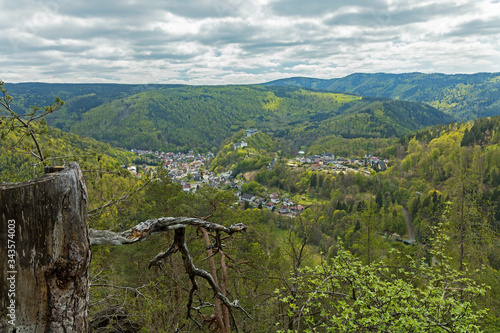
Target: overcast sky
point(242, 41)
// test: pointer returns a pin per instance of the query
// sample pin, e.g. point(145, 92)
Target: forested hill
point(164, 117)
point(59, 148)
point(464, 96)
point(79, 97)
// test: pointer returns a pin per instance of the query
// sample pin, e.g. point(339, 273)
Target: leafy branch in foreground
point(345, 295)
point(29, 125)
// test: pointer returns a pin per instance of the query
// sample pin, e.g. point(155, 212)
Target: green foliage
point(26, 126)
point(59, 148)
point(259, 152)
point(28, 144)
point(484, 132)
point(164, 117)
point(464, 96)
point(350, 146)
point(343, 295)
point(159, 303)
point(368, 285)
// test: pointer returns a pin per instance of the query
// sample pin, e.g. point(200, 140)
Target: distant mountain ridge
point(168, 116)
point(464, 96)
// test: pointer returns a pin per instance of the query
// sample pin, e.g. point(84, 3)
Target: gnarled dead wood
point(143, 229)
point(178, 224)
point(50, 256)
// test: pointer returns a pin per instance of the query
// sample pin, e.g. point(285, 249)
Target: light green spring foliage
point(344, 295)
point(259, 152)
point(352, 147)
point(27, 144)
point(465, 96)
point(59, 148)
point(163, 117)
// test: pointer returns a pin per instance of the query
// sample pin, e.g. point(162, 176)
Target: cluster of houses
point(179, 164)
point(209, 179)
point(273, 203)
point(327, 161)
point(188, 169)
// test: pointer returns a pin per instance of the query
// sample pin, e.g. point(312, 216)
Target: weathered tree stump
point(46, 277)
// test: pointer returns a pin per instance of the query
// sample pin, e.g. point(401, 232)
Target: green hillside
point(260, 150)
point(164, 117)
point(59, 148)
point(464, 96)
point(370, 118)
point(79, 97)
point(390, 249)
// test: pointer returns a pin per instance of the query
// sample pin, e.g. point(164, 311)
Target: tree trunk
point(44, 254)
point(218, 312)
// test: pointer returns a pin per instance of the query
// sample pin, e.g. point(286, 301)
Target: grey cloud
point(227, 33)
point(65, 49)
point(268, 46)
point(296, 33)
point(310, 55)
point(13, 63)
point(161, 55)
point(206, 8)
point(81, 33)
point(400, 16)
point(155, 40)
point(320, 7)
point(195, 9)
point(79, 68)
point(131, 11)
point(477, 28)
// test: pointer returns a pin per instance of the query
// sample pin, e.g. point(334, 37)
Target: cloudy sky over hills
point(242, 41)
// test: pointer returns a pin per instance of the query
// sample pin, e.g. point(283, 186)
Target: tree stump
point(44, 254)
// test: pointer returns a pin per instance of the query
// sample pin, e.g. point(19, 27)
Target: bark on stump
point(52, 253)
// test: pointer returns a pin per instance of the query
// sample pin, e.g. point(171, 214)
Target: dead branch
point(193, 271)
point(143, 229)
point(178, 224)
point(26, 121)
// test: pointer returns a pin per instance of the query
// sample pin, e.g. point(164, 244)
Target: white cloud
point(241, 41)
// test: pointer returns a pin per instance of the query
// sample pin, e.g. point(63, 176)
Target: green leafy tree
point(314, 180)
point(27, 126)
point(344, 295)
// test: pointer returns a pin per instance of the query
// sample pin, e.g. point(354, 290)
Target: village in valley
point(191, 172)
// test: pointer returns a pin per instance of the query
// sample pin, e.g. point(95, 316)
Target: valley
point(237, 166)
point(163, 117)
point(319, 178)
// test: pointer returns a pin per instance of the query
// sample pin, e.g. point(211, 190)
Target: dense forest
point(463, 96)
point(413, 248)
point(17, 164)
point(293, 274)
point(260, 151)
point(163, 117)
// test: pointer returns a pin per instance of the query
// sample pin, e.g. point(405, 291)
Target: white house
point(251, 132)
point(132, 169)
point(239, 145)
point(247, 197)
